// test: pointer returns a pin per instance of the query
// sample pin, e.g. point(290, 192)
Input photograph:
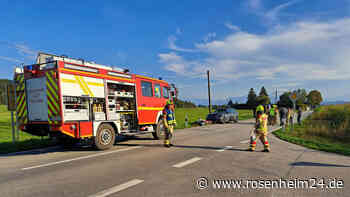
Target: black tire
point(105, 137)
point(159, 133)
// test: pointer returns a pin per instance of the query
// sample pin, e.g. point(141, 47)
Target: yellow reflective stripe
point(89, 83)
point(18, 98)
point(20, 78)
point(20, 87)
point(86, 135)
point(95, 74)
point(140, 76)
point(150, 108)
point(53, 100)
point(53, 91)
point(95, 84)
point(147, 123)
point(52, 109)
point(52, 81)
point(68, 80)
point(21, 101)
point(67, 133)
point(21, 112)
point(81, 85)
point(86, 86)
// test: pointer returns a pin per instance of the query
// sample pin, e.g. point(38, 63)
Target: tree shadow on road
point(313, 164)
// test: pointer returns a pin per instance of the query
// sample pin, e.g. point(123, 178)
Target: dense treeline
point(184, 104)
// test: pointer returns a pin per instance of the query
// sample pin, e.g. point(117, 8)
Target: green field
point(327, 129)
point(27, 141)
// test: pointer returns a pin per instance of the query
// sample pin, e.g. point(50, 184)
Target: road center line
point(226, 148)
point(117, 188)
point(185, 163)
point(80, 158)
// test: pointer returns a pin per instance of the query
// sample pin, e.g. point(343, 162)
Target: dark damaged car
point(223, 116)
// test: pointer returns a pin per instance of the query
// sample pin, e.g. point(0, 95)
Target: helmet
point(169, 102)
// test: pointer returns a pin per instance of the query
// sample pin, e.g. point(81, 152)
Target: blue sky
point(283, 44)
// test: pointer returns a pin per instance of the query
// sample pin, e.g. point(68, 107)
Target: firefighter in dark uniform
point(169, 122)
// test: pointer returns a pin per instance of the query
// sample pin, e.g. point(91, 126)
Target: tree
point(263, 92)
point(251, 101)
point(230, 103)
point(285, 100)
point(314, 98)
point(302, 96)
point(184, 104)
point(263, 97)
point(263, 100)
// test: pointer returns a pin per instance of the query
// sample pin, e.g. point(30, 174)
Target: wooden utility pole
point(209, 91)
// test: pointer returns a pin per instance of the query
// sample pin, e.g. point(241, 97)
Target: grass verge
point(25, 142)
point(298, 136)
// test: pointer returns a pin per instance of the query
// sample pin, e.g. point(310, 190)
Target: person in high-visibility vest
point(273, 115)
point(259, 108)
point(260, 132)
point(169, 122)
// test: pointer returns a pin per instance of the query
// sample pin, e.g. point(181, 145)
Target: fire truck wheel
point(159, 133)
point(105, 137)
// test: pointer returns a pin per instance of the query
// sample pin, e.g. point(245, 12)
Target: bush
point(331, 122)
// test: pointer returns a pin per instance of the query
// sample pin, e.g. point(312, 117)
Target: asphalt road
point(141, 166)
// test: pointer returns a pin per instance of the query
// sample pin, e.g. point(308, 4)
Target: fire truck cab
point(68, 99)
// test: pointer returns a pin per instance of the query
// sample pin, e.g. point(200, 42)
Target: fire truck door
point(37, 99)
point(147, 103)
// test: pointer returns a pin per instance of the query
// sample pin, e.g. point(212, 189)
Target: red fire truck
point(68, 99)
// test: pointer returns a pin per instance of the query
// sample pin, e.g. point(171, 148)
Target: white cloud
point(294, 52)
point(23, 50)
point(9, 59)
point(268, 16)
point(173, 46)
point(26, 51)
point(232, 27)
point(209, 37)
point(273, 14)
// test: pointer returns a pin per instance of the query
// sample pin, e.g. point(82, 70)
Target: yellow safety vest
point(262, 123)
point(260, 108)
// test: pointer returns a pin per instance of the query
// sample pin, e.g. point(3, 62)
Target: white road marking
point(226, 148)
point(244, 141)
point(185, 163)
point(80, 158)
point(117, 188)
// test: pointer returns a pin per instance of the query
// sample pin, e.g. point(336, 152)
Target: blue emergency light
point(30, 67)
